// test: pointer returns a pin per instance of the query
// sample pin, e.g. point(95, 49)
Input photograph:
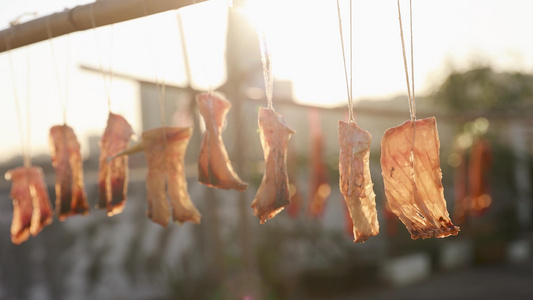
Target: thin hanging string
point(351, 65)
point(160, 83)
point(266, 59)
point(64, 101)
point(107, 78)
point(27, 160)
point(349, 82)
point(67, 76)
point(413, 106)
point(23, 149)
point(411, 97)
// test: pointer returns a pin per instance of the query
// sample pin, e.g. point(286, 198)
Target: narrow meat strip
point(319, 188)
point(413, 178)
point(71, 198)
point(273, 193)
point(355, 181)
point(113, 173)
point(214, 166)
point(165, 152)
point(31, 205)
point(42, 208)
point(478, 169)
point(22, 205)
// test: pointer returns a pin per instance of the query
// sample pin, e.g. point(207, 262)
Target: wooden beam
point(80, 18)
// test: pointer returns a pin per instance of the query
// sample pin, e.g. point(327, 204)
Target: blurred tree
point(483, 89)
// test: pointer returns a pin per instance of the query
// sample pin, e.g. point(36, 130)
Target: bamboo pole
point(79, 18)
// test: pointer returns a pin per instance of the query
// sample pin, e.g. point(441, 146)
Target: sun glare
point(302, 40)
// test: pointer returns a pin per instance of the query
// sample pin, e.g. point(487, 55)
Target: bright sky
point(306, 47)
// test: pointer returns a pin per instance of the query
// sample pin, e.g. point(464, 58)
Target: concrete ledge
point(406, 270)
point(456, 254)
point(519, 251)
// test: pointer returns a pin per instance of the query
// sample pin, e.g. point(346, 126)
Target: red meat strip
point(273, 193)
point(214, 165)
point(478, 169)
point(71, 198)
point(319, 188)
point(355, 181)
point(413, 178)
point(31, 204)
point(113, 173)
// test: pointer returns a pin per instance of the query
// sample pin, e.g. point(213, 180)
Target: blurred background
point(473, 72)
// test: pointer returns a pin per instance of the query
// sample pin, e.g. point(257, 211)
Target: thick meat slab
point(31, 205)
point(113, 173)
point(71, 198)
point(165, 152)
point(355, 182)
point(413, 179)
point(273, 193)
point(214, 166)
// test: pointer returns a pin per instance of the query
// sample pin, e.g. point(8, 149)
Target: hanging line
point(160, 83)
point(411, 95)
point(107, 77)
point(64, 101)
point(266, 59)
point(27, 160)
point(24, 145)
point(349, 82)
point(211, 59)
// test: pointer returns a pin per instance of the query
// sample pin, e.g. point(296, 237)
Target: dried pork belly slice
point(355, 181)
point(42, 208)
point(113, 173)
point(416, 194)
point(273, 193)
point(22, 205)
point(214, 166)
point(165, 152)
point(66, 158)
point(32, 209)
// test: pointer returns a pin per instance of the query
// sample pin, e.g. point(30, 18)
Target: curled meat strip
point(355, 181)
point(214, 166)
point(273, 193)
point(113, 173)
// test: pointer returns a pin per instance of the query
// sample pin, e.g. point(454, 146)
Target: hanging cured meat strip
point(478, 167)
point(31, 205)
point(214, 166)
point(66, 158)
point(319, 188)
point(355, 181)
point(113, 173)
point(165, 152)
point(273, 193)
point(22, 205)
point(413, 178)
point(296, 203)
point(42, 208)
